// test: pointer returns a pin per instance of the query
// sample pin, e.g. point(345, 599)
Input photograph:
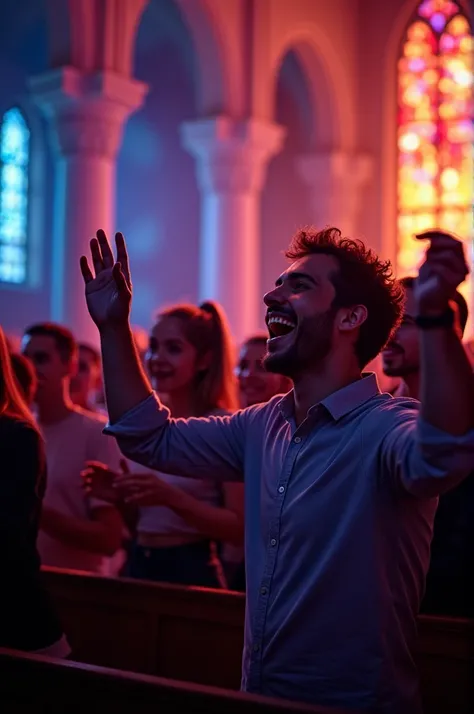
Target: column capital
point(336, 180)
point(87, 111)
point(232, 155)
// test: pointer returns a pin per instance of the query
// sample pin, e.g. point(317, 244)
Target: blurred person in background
point(77, 532)
point(256, 384)
point(27, 619)
point(86, 387)
point(177, 522)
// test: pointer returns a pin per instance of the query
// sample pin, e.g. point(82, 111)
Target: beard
point(403, 369)
point(306, 346)
point(396, 363)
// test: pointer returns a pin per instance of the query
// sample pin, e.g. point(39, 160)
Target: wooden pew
point(196, 635)
point(30, 683)
point(191, 634)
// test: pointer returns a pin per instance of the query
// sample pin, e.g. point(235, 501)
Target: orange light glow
point(409, 142)
point(435, 132)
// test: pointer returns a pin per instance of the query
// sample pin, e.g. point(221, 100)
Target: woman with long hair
point(27, 619)
point(177, 521)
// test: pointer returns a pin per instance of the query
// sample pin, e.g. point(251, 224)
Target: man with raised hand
point(341, 481)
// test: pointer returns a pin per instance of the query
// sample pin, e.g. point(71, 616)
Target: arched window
point(435, 130)
point(14, 175)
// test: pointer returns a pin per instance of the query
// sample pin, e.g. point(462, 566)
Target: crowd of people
point(289, 445)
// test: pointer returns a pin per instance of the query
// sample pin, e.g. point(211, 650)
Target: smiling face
point(301, 317)
point(171, 360)
point(256, 384)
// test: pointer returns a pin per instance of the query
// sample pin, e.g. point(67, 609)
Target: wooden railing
point(191, 634)
point(29, 683)
point(196, 635)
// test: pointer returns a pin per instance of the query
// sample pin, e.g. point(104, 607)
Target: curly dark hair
point(362, 279)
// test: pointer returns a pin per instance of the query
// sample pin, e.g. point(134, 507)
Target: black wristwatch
point(431, 322)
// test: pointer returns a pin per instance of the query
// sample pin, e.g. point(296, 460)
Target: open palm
point(109, 293)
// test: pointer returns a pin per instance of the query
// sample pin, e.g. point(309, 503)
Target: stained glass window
point(14, 170)
point(435, 130)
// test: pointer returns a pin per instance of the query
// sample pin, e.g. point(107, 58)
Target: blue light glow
point(14, 167)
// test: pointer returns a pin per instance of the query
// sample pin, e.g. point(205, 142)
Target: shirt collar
point(342, 402)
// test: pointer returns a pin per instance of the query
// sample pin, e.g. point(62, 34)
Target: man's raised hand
point(109, 293)
point(443, 270)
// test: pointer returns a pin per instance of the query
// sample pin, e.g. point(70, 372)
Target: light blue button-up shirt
point(339, 518)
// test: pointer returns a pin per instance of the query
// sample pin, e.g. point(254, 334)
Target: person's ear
point(350, 318)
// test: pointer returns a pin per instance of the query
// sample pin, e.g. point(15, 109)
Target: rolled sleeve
point(425, 461)
point(210, 447)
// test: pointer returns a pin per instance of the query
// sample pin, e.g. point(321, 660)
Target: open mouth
point(279, 325)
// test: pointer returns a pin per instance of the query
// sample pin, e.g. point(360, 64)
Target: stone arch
point(214, 85)
point(93, 36)
point(205, 51)
point(329, 91)
point(324, 103)
point(175, 44)
point(293, 103)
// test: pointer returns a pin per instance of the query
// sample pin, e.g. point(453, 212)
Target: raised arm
point(447, 382)
point(203, 448)
point(109, 296)
point(432, 452)
point(418, 457)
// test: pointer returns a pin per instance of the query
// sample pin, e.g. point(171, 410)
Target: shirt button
point(281, 489)
point(256, 647)
point(263, 591)
point(297, 439)
point(273, 541)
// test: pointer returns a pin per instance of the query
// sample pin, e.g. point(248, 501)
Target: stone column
point(232, 158)
point(336, 180)
point(86, 114)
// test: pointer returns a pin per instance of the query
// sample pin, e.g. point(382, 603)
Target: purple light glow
point(416, 64)
point(438, 22)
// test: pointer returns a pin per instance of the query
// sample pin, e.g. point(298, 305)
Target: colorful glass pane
point(435, 131)
point(14, 169)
